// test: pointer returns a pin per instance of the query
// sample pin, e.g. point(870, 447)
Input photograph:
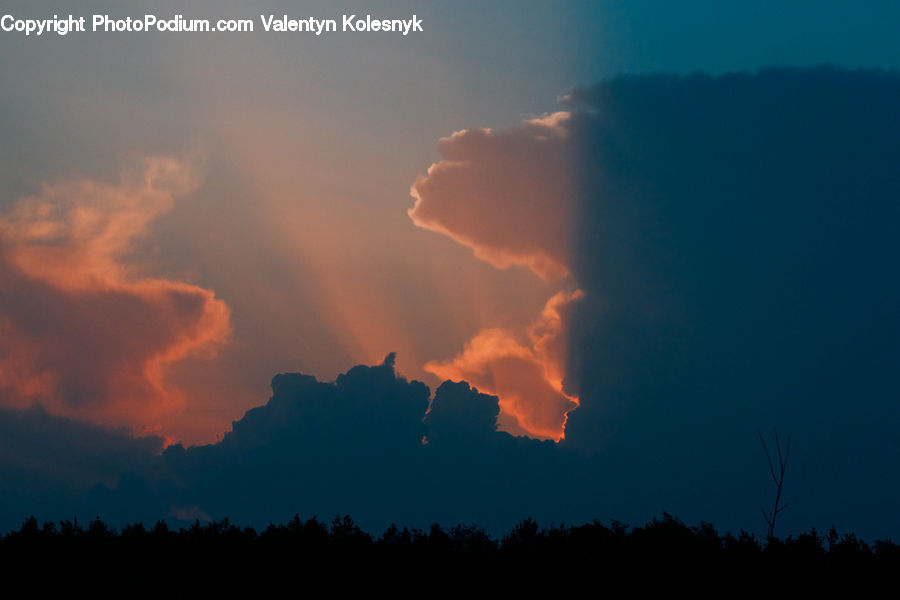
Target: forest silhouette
point(660, 559)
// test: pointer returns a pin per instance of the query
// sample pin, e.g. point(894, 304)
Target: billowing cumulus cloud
point(525, 372)
point(83, 331)
point(510, 196)
point(507, 194)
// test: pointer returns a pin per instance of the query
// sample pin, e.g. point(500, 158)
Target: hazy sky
point(186, 215)
point(307, 148)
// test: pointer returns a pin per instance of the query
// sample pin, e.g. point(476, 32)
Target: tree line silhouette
point(661, 558)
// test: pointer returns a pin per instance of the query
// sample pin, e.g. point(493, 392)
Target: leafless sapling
point(777, 477)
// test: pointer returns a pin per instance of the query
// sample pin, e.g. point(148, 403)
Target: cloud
point(507, 195)
point(366, 444)
point(734, 240)
point(736, 244)
point(526, 374)
point(460, 412)
point(84, 332)
point(51, 465)
point(510, 196)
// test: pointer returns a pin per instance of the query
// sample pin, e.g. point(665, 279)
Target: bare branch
point(778, 479)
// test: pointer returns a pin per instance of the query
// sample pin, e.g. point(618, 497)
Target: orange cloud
point(507, 195)
point(525, 374)
point(82, 332)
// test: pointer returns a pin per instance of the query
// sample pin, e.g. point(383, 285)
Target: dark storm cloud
point(740, 228)
point(738, 251)
point(361, 445)
point(51, 465)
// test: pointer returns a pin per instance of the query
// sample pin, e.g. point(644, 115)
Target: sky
point(636, 239)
